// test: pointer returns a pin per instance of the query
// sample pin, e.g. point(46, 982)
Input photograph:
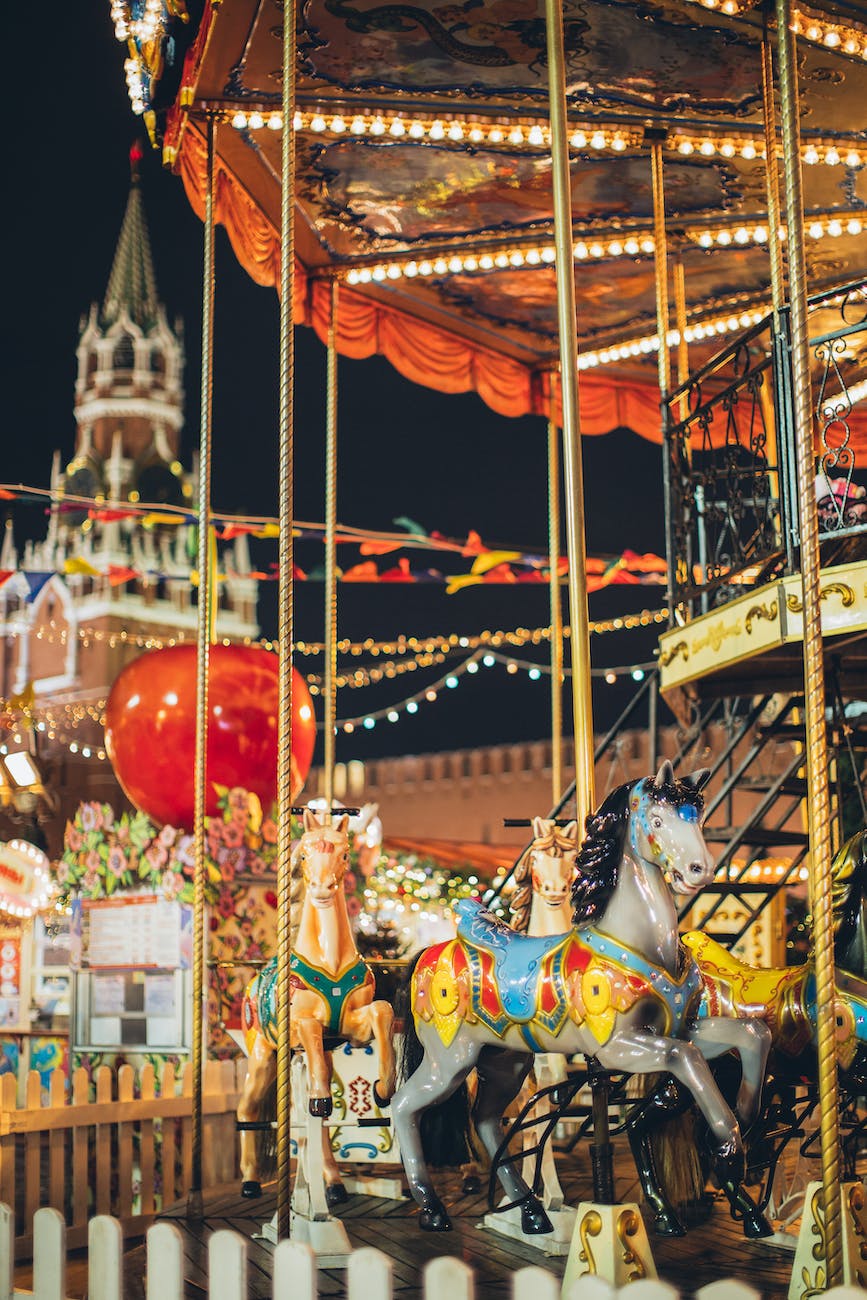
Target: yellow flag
point(75, 564)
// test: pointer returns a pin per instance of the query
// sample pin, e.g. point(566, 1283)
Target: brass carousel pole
point(660, 268)
point(203, 640)
point(285, 615)
point(556, 609)
point(679, 278)
point(772, 179)
point(330, 675)
point(582, 702)
point(818, 798)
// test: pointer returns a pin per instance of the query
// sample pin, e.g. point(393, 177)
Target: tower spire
point(132, 283)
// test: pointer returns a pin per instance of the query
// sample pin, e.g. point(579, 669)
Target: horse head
point(552, 860)
point(323, 854)
point(665, 825)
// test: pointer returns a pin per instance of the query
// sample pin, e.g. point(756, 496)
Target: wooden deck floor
point(713, 1250)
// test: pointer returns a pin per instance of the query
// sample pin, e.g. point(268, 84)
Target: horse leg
point(375, 1021)
point(637, 1052)
point(664, 1103)
point(441, 1071)
point(318, 1074)
point(261, 1069)
point(335, 1192)
point(751, 1039)
point(501, 1074)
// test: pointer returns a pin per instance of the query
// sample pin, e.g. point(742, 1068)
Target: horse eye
point(656, 822)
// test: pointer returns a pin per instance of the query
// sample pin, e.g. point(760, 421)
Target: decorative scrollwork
point(628, 1224)
point(769, 612)
point(590, 1226)
point(668, 656)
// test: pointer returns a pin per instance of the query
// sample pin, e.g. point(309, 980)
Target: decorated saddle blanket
point(784, 997)
point(260, 1004)
point(491, 974)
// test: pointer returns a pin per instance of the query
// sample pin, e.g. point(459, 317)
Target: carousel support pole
point(330, 674)
point(823, 1219)
point(204, 633)
point(556, 610)
point(680, 325)
point(611, 1218)
point(656, 140)
point(286, 627)
point(775, 251)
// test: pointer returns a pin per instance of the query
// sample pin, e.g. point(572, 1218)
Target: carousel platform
point(712, 1250)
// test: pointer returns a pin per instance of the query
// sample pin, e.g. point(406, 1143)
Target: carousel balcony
point(733, 534)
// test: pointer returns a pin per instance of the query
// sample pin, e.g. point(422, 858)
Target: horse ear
point(570, 832)
point(309, 819)
point(698, 779)
point(538, 828)
point(665, 775)
point(340, 824)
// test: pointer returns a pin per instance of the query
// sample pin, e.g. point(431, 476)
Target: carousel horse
point(785, 1000)
point(331, 995)
point(541, 905)
point(618, 987)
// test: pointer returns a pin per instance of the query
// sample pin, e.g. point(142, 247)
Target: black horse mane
point(599, 856)
point(605, 833)
point(848, 890)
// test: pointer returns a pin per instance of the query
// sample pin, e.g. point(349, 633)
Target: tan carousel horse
point(331, 996)
point(542, 905)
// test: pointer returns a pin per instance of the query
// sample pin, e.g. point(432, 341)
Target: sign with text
point(133, 932)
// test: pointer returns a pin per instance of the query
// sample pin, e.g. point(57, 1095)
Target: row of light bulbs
point(634, 245)
point(392, 713)
point(817, 30)
point(403, 645)
point(532, 135)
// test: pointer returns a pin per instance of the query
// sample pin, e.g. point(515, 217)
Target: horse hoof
point(534, 1220)
point(667, 1225)
point(378, 1098)
point(321, 1106)
point(250, 1188)
point(336, 1194)
point(433, 1218)
point(756, 1225)
point(471, 1186)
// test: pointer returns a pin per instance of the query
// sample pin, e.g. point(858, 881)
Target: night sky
point(447, 462)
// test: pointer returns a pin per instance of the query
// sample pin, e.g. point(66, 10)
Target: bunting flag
point(490, 564)
point(35, 582)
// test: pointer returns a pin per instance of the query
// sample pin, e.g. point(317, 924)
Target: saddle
point(517, 957)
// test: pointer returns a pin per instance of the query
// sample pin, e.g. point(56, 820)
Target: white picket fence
point(368, 1273)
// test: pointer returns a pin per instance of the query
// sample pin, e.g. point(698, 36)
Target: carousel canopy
point(423, 176)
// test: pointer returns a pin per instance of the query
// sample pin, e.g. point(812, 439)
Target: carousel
point(603, 214)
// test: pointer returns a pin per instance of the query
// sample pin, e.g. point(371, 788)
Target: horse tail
point(674, 1152)
point(445, 1130)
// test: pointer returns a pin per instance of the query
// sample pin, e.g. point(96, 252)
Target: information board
point(138, 932)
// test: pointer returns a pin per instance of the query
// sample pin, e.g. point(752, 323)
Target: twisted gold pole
point(285, 617)
point(556, 610)
point(679, 278)
point(818, 796)
point(203, 639)
point(775, 250)
point(329, 684)
point(582, 700)
point(772, 178)
point(660, 268)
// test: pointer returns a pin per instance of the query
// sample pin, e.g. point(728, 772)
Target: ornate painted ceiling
point(424, 176)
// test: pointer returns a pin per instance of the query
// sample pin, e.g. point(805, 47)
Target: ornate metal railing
point(731, 505)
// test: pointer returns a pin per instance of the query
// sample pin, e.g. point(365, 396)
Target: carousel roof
point(424, 176)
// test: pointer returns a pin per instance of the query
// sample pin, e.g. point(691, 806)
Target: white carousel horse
point(542, 905)
point(619, 986)
point(331, 996)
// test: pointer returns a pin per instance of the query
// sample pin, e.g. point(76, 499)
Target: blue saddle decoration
point(517, 957)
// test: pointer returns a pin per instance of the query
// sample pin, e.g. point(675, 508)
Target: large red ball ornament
point(150, 729)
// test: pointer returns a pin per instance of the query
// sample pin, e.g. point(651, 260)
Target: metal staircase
point(755, 809)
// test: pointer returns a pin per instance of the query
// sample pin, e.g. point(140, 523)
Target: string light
point(52, 634)
point(636, 243)
point(693, 333)
point(451, 681)
point(532, 134)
